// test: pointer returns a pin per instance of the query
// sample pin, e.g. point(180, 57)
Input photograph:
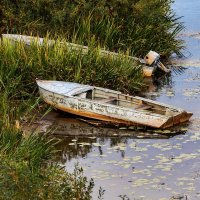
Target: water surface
point(189, 10)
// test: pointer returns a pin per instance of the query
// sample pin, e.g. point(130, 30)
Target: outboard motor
point(153, 59)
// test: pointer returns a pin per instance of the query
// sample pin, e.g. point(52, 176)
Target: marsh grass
point(21, 64)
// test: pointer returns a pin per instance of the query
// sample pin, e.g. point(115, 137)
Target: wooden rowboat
point(109, 105)
point(150, 63)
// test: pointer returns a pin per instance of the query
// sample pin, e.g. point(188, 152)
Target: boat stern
point(178, 119)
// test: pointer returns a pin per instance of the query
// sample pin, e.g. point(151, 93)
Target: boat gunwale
point(173, 108)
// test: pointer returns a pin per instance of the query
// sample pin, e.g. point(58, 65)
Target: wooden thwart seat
point(143, 107)
point(107, 100)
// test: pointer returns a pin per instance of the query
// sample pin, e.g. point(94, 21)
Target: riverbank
point(26, 159)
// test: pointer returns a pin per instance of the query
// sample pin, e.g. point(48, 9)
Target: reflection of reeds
point(178, 69)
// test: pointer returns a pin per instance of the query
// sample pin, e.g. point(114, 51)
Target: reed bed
point(21, 64)
point(137, 25)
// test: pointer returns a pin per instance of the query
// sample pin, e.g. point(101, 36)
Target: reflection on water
point(62, 124)
point(80, 147)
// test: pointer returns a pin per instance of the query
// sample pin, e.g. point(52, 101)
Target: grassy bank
point(27, 173)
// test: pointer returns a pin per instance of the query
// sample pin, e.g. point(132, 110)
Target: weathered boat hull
point(112, 113)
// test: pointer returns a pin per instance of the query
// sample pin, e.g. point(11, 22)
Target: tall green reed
point(20, 64)
point(139, 25)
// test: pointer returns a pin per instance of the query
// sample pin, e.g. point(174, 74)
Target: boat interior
point(117, 98)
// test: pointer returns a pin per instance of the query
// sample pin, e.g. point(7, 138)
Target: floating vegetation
point(84, 144)
point(72, 144)
point(97, 144)
point(192, 92)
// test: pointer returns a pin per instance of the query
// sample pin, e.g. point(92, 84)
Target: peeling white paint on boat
point(109, 105)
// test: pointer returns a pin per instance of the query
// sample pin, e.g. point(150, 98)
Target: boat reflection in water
point(77, 138)
point(61, 124)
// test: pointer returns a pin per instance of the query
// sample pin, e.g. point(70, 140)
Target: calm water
point(190, 12)
point(139, 168)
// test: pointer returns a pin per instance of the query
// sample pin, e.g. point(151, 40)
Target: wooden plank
point(143, 107)
point(107, 100)
point(104, 96)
